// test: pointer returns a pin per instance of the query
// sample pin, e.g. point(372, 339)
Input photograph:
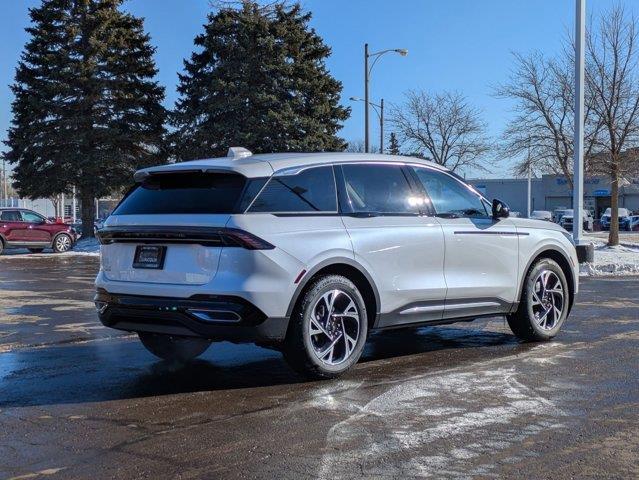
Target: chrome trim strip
point(493, 232)
point(429, 308)
point(461, 306)
point(203, 314)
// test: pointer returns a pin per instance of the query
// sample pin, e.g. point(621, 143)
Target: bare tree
point(612, 77)
point(357, 146)
point(443, 128)
point(541, 132)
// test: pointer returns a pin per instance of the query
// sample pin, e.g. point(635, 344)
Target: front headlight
point(569, 237)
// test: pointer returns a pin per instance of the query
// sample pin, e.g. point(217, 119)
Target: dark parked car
point(24, 228)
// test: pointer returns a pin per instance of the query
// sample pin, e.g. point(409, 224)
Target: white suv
point(308, 253)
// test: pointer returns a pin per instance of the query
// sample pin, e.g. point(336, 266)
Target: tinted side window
point(311, 190)
point(451, 197)
point(10, 216)
point(379, 189)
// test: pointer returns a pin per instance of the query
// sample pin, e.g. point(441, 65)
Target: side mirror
point(500, 209)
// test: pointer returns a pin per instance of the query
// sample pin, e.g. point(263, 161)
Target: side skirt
point(441, 313)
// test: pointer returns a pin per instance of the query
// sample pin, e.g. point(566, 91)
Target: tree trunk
point(613, 237)
point(87, 201)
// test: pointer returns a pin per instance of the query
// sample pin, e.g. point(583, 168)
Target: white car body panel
point(405, 256)
point(422, 268)
point(481, 265)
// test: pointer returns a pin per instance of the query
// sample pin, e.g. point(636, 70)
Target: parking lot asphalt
point(463, 401)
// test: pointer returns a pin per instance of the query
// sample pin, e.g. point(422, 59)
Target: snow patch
point(621, 259)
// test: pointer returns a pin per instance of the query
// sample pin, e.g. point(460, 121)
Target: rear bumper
point(213, 317)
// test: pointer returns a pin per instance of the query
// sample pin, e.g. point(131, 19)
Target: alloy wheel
point(63, 243)
point(547, 299)
point(334, 327)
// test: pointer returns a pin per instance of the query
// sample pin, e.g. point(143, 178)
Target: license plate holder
point(149, 256)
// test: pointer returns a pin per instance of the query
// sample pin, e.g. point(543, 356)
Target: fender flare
point(327, 263)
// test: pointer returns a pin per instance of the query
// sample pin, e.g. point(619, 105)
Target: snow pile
point(86, 246)
point(622, 259)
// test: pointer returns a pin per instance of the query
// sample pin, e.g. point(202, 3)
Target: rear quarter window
point(311, 190)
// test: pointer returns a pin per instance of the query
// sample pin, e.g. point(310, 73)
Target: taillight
point(243, 239)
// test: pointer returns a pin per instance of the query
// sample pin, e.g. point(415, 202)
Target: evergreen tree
point(257, 80)
point(87, 112)
point(393, 148)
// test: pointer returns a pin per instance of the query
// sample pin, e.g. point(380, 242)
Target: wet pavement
point(464, 401)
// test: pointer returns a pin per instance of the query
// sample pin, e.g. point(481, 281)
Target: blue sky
point(462, 45)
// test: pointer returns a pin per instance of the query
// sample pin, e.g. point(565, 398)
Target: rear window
point(184, 193)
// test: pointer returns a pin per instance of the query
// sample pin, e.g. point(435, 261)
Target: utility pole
point(4, 183)
point(529, 196)
point(585, 253)
point(381, 126)
point(529, 188)
point(578, 186)
point(74, 206)
point(366, 127)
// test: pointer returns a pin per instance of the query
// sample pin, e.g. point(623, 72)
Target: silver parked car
point(309, 253)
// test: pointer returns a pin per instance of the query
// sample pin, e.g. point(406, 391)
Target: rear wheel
point(173, 348)
point(62, 243)
point(328, 328)
point(36, 250)
point(544, 303)
point(1, 246)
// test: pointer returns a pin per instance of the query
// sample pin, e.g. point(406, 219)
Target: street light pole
point(381, 126)
point(379, 110)
point(578, 185)
point(366, 127)
point(367, 71)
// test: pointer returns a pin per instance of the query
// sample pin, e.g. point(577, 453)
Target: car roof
point(264, 165)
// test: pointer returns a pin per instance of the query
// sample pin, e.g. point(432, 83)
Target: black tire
point(301, 347)
point(1, 246)
point(62, 243)
point(36, 250)
point(524, 323)
point(174, 348)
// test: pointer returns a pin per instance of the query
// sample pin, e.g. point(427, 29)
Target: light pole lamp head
point(356, 99)
point(402, 51)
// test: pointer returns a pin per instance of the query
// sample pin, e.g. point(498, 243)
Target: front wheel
point(328, 328)
point(173, 348)
point(62, 243)
point(544, 303)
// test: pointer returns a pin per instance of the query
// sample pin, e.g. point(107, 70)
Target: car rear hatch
point(170, 228)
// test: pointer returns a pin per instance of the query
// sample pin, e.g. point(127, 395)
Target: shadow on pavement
point(117, 369)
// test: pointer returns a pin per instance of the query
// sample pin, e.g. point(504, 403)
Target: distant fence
point(44, 206)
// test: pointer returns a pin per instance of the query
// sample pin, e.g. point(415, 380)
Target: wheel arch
point(349, 269)
point(57, 234)
point(562, 260)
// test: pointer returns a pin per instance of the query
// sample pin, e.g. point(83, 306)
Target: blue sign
point(601, 193)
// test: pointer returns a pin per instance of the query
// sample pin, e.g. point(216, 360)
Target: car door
point(15, 229)
point(36, 227)
point(481, 262)
point(402, 249)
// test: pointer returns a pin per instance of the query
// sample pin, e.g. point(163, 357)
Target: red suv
point(27, 229)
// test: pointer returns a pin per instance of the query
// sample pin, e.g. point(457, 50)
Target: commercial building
point(553, 191)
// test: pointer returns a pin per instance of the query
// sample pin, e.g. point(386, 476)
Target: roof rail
point(238, 152)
